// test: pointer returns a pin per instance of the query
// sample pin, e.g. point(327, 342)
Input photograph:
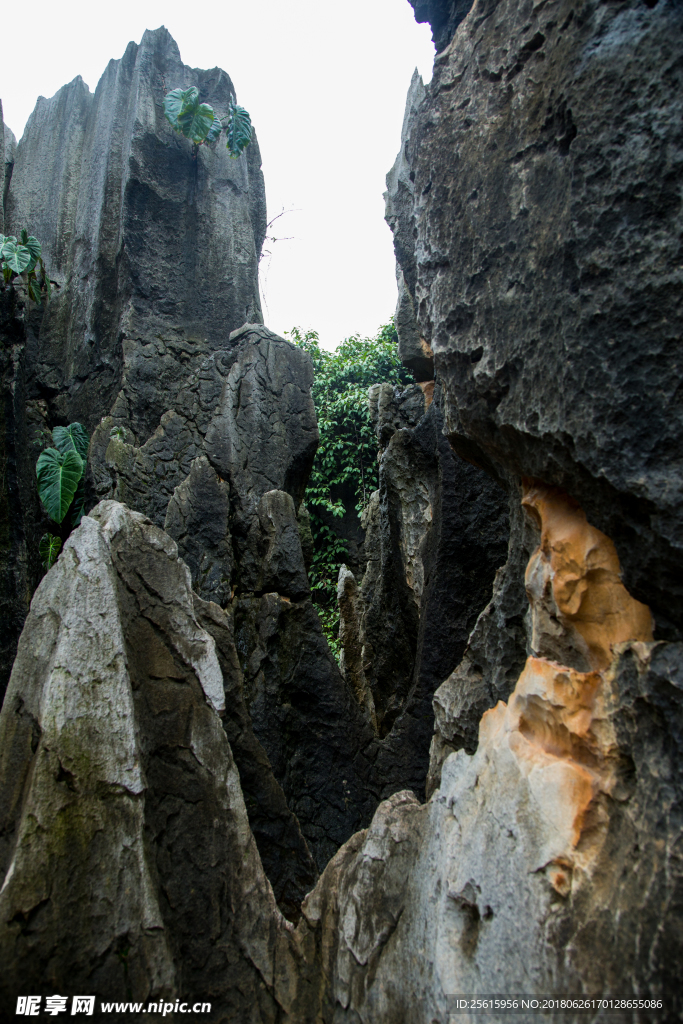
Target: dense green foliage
point(345, 467)
point(60, 472)
point(199, 123)
point(24, 259)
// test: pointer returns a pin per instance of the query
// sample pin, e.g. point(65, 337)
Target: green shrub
point(347, 456)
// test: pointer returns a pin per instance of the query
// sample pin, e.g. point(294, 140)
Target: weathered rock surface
point(123, 823)
point(22, 521)
point(286, 858)
point(8, 145)
point(494, 657)
point(547, 862)
point(444, 16)
point(318, 741)
point(117, 199)
point(547, 218)
point(436, 534)
point(197, 518)
point(399, 199)
point(242, 425)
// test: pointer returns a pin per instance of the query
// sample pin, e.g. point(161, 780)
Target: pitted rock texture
point(117, 199)
point(547, 159)
point(580, 607)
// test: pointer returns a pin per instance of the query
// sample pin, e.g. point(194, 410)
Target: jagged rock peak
point(444, 16)
point(116, 199)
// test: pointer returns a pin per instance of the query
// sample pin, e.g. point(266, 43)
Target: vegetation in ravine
point(346, 461)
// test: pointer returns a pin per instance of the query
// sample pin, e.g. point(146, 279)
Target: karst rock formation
point(486, 796)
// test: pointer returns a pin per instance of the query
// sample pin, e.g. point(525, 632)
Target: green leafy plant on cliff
point(24, 259)
point(199, 123)
point(60, 472)
point(345, 471)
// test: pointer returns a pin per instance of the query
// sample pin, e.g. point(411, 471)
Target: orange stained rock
point(558, 729)
point(427, 387)
point(582, 567)
point(426, 348)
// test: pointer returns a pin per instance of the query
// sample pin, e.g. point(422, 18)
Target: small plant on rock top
point(24, 259)
point(199, 123)
point(60, 471)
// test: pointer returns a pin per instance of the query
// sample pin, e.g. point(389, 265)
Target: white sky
point(325, 84)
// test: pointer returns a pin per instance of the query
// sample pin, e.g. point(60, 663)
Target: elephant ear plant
point(60, 471)
point(202, 126)
point(24, 259)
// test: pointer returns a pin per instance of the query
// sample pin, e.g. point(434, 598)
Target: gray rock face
point(494, 657)
point(8, 145)
point(547, 213)
point(243, 425)
point(542, 220)
point(197, 519)
point(436, 532)
point(399, 199)
point(116, 198)
point(319, 743)
point(286, 858)
point(112, 741)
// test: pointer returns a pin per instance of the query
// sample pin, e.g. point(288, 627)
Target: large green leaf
point(214, 131)
point(49, 548)
point(173, 104)
point(78, 506)
point(73, 438)
point(34, 290)
point(4, 239)
point(58, 475)
point(33, 246)
point(239, 130)
point(195, 119)
point(17, 257)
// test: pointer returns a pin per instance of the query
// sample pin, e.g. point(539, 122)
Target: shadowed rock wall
point(436, 532)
